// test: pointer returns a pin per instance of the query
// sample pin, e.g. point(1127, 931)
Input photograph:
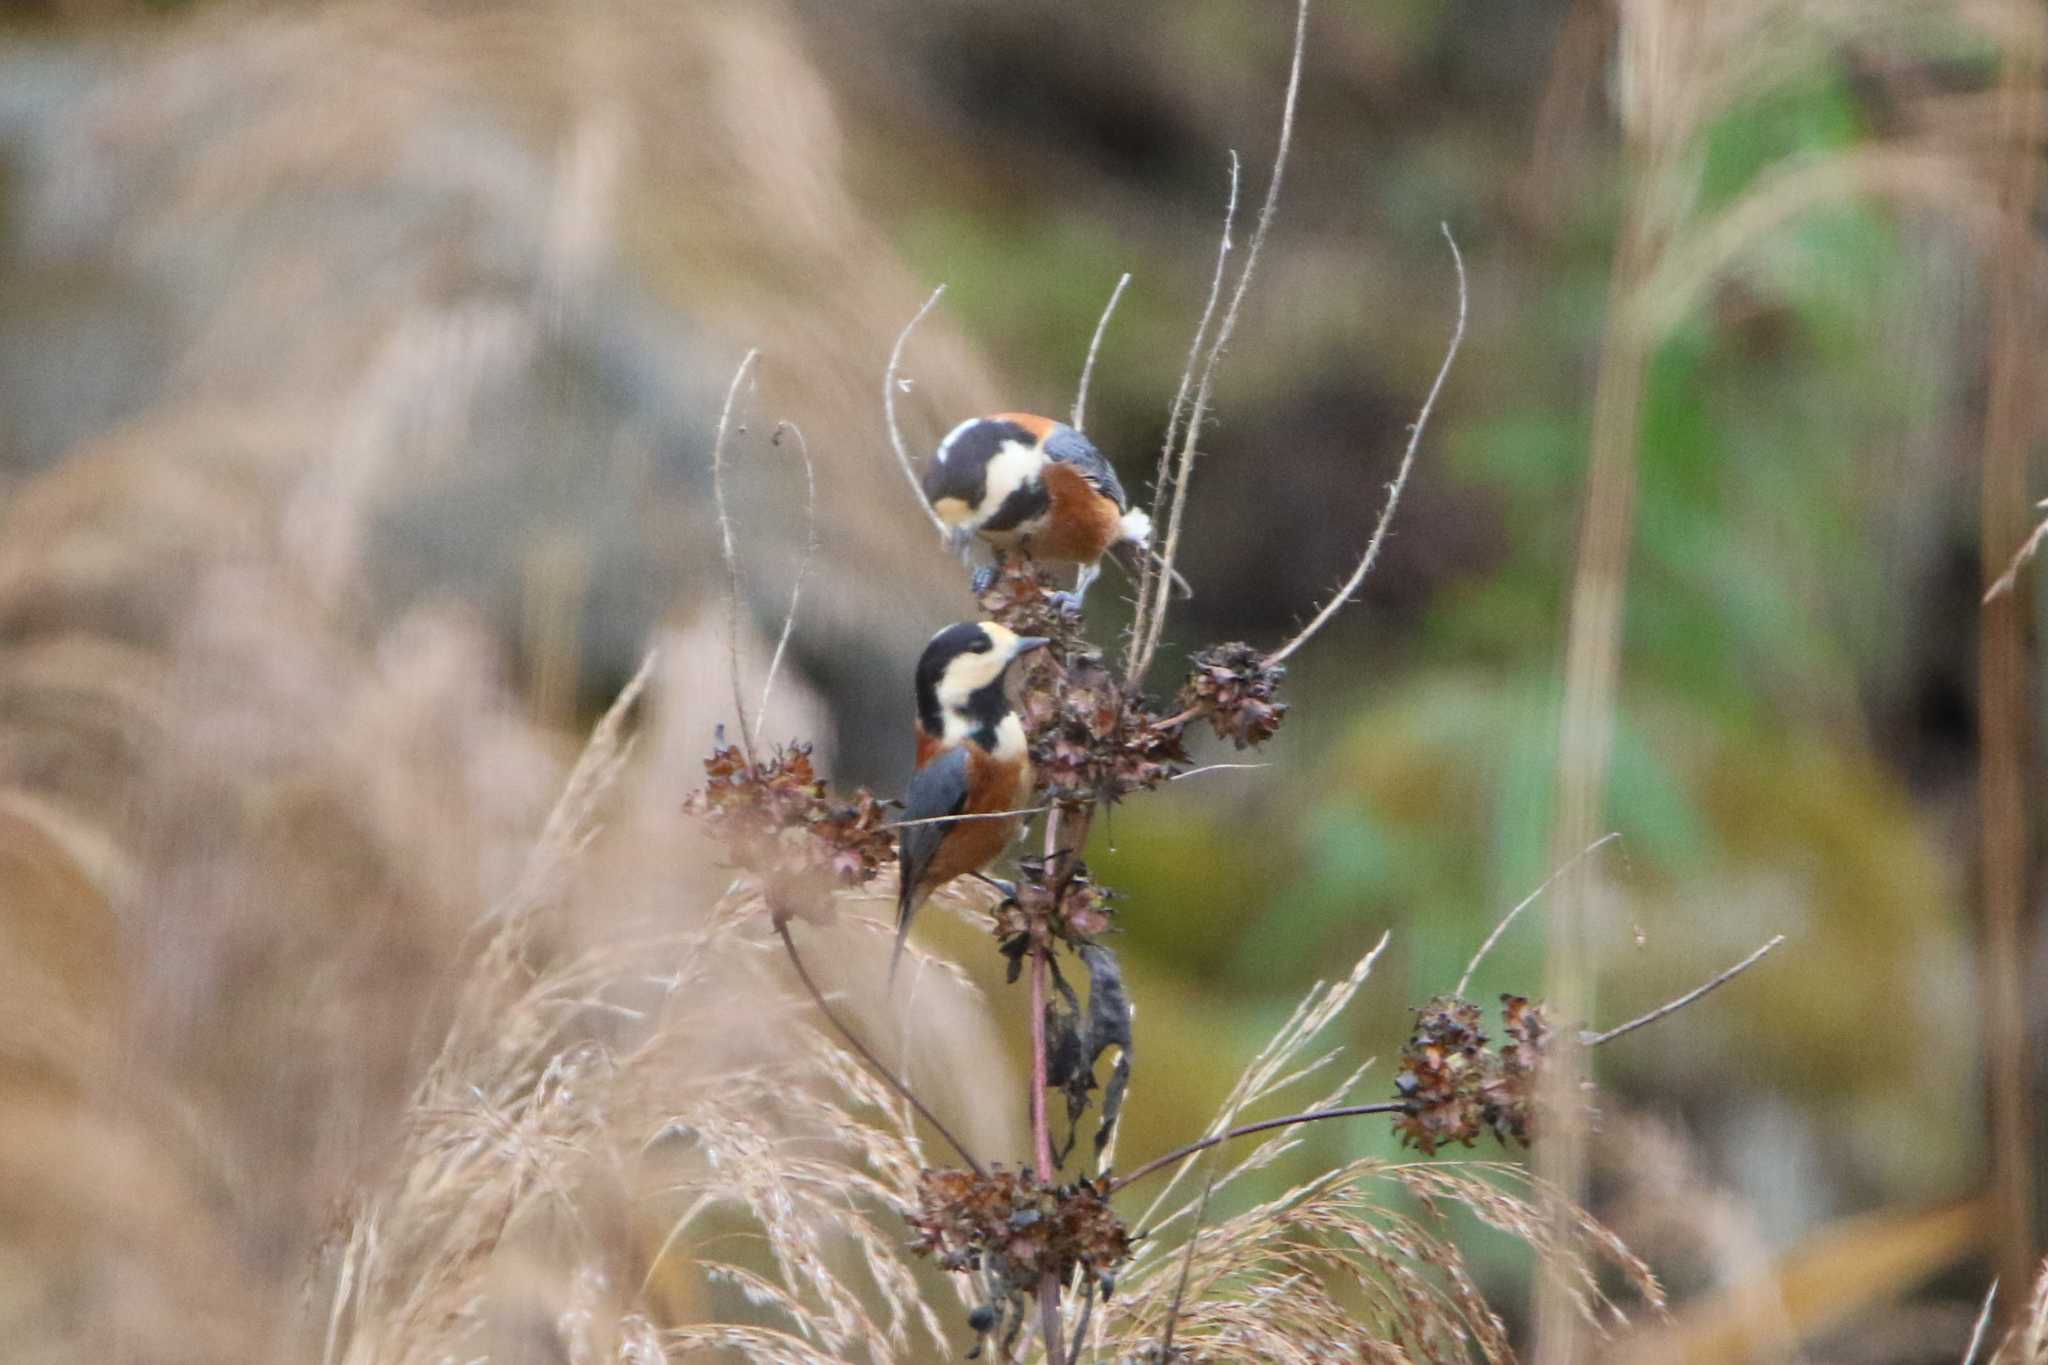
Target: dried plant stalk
point(1155, 616)
point(1079, 421)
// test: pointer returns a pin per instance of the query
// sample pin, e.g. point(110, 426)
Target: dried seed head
point(1443, 1066)
point(1452, 1089)
point(777, 821)
point(1014, 1228)
point(1022, 596)
point(1055, 899)
point(1509, 1094)
point(1234, 686)
point(1092, 739)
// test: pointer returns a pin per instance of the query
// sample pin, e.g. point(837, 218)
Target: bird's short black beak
point(1027, 643)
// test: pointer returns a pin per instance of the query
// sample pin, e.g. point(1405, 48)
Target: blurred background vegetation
point(1809, 196)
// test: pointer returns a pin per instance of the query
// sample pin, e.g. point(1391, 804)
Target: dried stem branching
point(1156, 576)
point(1151, 581)
point(874, 1063)
point(730, 551)
point(804, 568)
point(1671, 1007)
point(1524, 904)
point(1094, 349)
point(889, 385)
point(1204, 388)
point(1182, 1153)
point(1379, 532)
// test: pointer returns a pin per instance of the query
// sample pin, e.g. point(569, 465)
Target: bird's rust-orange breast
point(1081, 521)
point(971, 845)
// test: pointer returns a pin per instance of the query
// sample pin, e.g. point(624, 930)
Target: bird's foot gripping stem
point(1069, 603)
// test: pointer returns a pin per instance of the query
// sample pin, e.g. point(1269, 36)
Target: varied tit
point(971, 759)
point(1036, 486)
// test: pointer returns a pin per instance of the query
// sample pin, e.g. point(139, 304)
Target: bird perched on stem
point(1027, 483)
point(972, 760)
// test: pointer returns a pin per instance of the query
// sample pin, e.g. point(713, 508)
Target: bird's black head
point(985, 474)
point(960, 678)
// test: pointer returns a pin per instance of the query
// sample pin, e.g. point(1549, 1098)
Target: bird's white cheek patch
point(952, 511)
point(966, 675)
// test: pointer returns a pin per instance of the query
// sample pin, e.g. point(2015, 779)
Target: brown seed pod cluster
point(1234, 686)
point(1509, 1093)
point(1091, 738)
point(1023, 596)
point(1453, 1089)
point(1013, 1227)
point(776, 820)
point(1068, 907)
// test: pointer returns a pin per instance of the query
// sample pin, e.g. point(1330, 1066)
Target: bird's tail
point(906, 906)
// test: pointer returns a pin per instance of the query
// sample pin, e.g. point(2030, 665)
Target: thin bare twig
point(1156, 622)
point(1216, 768)
point(1162, 480)
point(1526, 902)
point(1983, 1325)
point(889, 412)
point(973, 815)
point(803, 570)
point(1379, 532)
point(732, 562)
point(1094, 348)
point(853, 1040)
point(1590, 1039)
point(2004, 582)
point(1180, 1154)
point(1187, 1265)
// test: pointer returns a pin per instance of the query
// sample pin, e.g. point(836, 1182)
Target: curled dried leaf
point(1077, 1038)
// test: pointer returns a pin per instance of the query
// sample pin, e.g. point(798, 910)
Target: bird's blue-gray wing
point(938, 788)
point(1069, 446)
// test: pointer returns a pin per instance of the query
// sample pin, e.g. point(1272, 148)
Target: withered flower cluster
point(777, 821)
point(1016, 1229)
point(1233, 686)
point(1453, 1089)
point(1067, 906)
point(1092, 738)
point(1023, 595)
point(1095, 737)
